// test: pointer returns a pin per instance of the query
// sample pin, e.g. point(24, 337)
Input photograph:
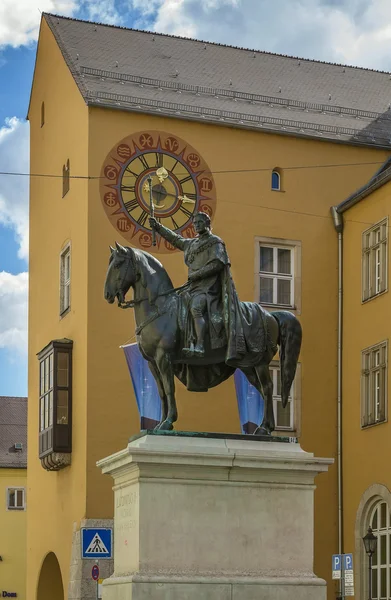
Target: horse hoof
point(165, 426)
point(262, 431)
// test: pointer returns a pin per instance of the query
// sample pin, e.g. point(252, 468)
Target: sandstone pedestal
point(213, 518)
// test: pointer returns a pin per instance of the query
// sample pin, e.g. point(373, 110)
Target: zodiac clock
point(182, 185)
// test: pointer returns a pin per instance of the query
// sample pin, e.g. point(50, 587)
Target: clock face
point(161, 165)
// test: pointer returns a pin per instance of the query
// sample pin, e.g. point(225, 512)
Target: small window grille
point(65, 178)
point(65, 280)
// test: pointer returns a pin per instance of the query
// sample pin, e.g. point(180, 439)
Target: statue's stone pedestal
point(213, 518)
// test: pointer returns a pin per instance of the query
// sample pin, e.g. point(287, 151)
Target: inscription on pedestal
point(126, 530)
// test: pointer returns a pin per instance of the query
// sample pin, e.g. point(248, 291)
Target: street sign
point(97, 542)
point(348, 563)
point(349, 591)
point(336, 566)
point(95, 572)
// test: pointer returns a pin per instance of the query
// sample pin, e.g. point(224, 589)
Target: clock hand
point(184, 198)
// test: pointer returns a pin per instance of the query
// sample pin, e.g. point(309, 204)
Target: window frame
point(369, 250)
point(277, 172)
point(55, 437)
point(65, 283)
point(295, 247)
point(374, 371)
point(274, 368)
point(15, 489)
point(381, 533)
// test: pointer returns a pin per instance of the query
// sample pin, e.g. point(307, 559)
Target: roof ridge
point(169, 35)
point(14, 397)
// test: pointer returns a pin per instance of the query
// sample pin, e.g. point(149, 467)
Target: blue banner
point(145, 389)
point(250, 403)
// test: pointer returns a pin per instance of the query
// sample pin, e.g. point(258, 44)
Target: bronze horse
point(156, 305)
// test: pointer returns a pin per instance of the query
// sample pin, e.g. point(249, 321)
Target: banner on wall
point(250, 403)
point(145, 389)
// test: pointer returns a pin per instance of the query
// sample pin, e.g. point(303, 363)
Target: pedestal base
point(219, 518)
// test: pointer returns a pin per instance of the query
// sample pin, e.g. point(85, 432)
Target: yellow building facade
point(366, 379)
point(13, 496)
point(77, 132)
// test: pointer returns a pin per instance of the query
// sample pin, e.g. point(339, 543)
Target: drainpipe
point(338, 224)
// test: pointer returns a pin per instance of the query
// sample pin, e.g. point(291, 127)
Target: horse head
point(121, 273)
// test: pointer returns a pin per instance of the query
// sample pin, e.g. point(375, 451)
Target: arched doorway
point(50, 581)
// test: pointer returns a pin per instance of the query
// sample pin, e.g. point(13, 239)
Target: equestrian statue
point(201, 332)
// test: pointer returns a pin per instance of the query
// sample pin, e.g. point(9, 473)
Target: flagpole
point(152, 209)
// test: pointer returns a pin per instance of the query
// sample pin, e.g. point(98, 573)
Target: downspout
point(338, 224)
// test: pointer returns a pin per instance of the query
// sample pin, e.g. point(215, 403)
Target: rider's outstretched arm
point(176, 240)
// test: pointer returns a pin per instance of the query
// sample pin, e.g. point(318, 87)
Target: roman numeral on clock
point(186, 212)
point(127, 188)
point(131, 205)
point(143, 218)
point(174, 223)
point(143, 161)
point(188, 178)
point(159, 159)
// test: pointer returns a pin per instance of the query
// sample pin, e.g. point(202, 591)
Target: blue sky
point(356, 32)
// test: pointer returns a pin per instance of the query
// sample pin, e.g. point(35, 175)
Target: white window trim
point(294, 399)
point(295, 246)
point(277, 189)
point(364, 253)
point(369, 351)
point(64, 251)
point(15, 508)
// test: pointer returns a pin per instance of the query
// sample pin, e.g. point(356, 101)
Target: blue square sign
point(96, 542)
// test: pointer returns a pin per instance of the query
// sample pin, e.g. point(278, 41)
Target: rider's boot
point(199, 326)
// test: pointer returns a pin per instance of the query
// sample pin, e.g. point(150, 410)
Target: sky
point(354, 32)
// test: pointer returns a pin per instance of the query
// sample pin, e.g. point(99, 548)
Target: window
point(276, 180)
point(284, 418)
point(276, 275)
point(374, 260)
point(65, 178)
point(15, 499)
point(65, 279)
point(42, 114)
point(373, 385)
point(55, 397)
point(381, 560)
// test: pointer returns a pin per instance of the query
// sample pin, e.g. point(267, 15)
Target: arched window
point(42, 114)
point(379, 520)
point(65, 178)
point(276, 180)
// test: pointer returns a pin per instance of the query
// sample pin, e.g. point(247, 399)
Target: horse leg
point(167, 376)
point(265, 387)
point(155, 372)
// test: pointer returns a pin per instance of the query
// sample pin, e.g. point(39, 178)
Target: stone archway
point(50, 585)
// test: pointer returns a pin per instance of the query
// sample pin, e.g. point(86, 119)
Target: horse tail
point(290, 335)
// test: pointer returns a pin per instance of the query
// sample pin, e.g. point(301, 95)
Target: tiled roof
point(189, 79)
point(13, 430)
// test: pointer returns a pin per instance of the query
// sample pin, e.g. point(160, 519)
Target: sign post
point(342, 570)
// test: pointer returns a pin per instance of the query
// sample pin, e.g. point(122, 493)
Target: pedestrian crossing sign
point(97, 542)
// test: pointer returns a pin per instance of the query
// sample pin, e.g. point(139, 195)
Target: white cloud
point(14, 190)
point(347, 31)
point(103, 11)
point(13, 311)
point(19, 20)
